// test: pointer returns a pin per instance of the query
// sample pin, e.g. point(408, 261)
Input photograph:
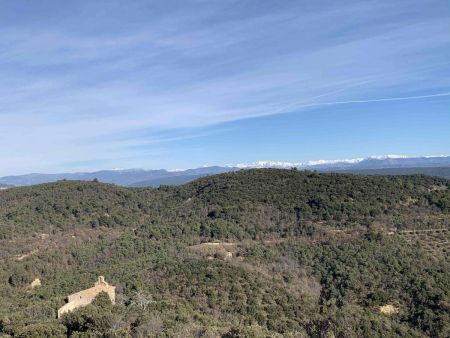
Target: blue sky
point(89, 85)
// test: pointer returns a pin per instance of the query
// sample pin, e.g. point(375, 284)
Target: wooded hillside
point(302, 254)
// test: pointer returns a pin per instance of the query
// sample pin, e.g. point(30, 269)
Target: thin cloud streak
point(405, 98)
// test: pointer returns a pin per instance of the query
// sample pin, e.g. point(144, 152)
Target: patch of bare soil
point(36, 283)
point(274, 241)
point(438, 188)
point(388, 309)
point(25, 255)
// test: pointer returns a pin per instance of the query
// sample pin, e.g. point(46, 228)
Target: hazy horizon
point(266, 163)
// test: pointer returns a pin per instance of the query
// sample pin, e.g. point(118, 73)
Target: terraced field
point(436, 241)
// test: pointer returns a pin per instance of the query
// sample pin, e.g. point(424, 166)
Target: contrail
point(401, 98)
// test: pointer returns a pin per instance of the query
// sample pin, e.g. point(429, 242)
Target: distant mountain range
point(387, 165)
point(374, 162)
point(128, 177)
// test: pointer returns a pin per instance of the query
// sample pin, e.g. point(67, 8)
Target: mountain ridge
point(375, 161)
point(156, 177)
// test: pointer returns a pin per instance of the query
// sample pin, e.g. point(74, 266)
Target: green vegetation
point(314, 255)
point(430, 171)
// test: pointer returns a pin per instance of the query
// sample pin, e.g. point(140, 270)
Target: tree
point(42, 330)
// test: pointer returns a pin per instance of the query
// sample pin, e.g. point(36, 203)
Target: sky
point(90, 85)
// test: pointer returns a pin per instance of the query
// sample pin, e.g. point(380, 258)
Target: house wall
point(85, 297)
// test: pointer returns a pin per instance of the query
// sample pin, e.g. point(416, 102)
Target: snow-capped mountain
point(373, 162)
point(146, 178)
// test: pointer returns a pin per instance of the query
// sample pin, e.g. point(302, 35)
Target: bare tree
point(141, 300)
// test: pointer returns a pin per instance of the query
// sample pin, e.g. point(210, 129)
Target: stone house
point(85, 297)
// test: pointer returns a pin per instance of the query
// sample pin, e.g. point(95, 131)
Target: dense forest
point(430, 171)
point(296, 254)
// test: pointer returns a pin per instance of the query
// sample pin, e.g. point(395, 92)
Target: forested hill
point(300, 253)
point(266, 196)
point(430, 171)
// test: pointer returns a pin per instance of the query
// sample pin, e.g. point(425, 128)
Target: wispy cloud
point(172, 67)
